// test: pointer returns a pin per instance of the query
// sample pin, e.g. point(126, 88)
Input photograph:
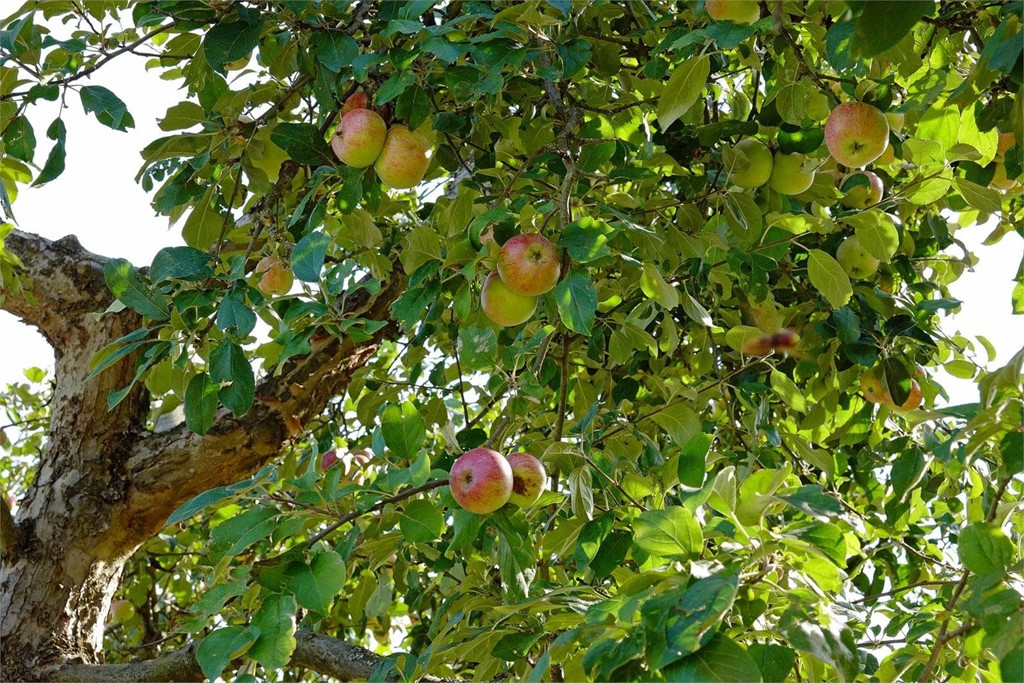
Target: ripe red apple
point(328, 459)
point(356, 100)
point(481, 480)
point(862, 189)
point(121, 611)
point(855, 259)
point(275, 276)
point(856, 134)
point(739, 11)
point(529, 264)
point(404, 160)
point(784, 340)
point(757, 346)
point(790, 174)
point(503, 306)
point(359, 138)
point(528, 479)
point(758, 168)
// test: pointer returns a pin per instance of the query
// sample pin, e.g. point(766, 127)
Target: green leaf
point(229, 364)
point(981, 198)
point(515, 646)
point(182, 115)
point(404, 429)
point(204, 224)
point(234, 315)
point(238, 533)
point(229, 42)
point(984, 548)
point(577, 302)
point(594, 154)
point(829, 278)
point(655, 287)
point(683, 89)
point(181, 263)
point(333, 49)
point(54, 165)
point(941, 124)
point(478, 347)
point(693, 460)
point(421, 522)
point(394, 86)
point(788, 391)
point(200, 502)
point(221, 646)
point(876, 232)
point(832, 645)
point(303, 143)
point(882, 24)
point(308, 256)
point(670, 533)
point(421, 245)
point(275, 620)
point(720, 661)
point(20, 139)
point(690, 620)
point(586, 239)
point(413, 106)
point(315, 584)
point(124, 282)
point(107, 107)
point(774, 661)
point(200, 403)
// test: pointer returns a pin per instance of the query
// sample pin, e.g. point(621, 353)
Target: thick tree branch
point(9, 535)
point(59, 283)
point(322, 654)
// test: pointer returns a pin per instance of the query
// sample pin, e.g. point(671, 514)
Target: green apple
point(481, 480)
point(121, 611)
point(855, 259)
point(862, 189)
point(790, 174)
point(757, 168)
point(738, 11)
point(528, 479)
point(503, 306)
point(856, 134)
point(359, 138)
point(404, 160)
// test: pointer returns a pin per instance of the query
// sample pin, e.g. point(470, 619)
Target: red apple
point(328, 459)
point(757, 346)
point(528, 479)
point(275, 276)
point(503, 306)
point(784, 340)
point(359, 138)
point(356, 100)
point(739, 11)
point(856, 134)
point(481, 480)
point(404, 160)
point(529, 264)
point(862, 189)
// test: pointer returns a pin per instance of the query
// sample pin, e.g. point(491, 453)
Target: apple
point(739, 11)
point(529, 264)
point(121, 611)
point(356, 100)
point(784, 340)
point(789, 176)
point(855, 259)
point(1006, 141)
point(875, 391)
point(481, 480)
point(328, 459)
point(503, 306)
point(862, 189)
point(856, 134)
point(528, 479)
point(359, 138)
point(913, 399)
point(275, 276)
point(1000, 181)
point(404, 160)
point(757, 346)
point(888, 157)
point(758, 168)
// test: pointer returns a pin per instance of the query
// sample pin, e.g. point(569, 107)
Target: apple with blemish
point(855, 259)
point(862, 189)
point(503, 306)
point(529, 264)
point(275, 277)
point(528, 479)
point(360, 138)
point(856, 134)
point(481, 480)
point(357, 100)
point(404, 159)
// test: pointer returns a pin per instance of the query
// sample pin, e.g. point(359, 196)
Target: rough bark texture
point(104, 484)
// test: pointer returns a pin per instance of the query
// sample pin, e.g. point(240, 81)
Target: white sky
point(98, 200)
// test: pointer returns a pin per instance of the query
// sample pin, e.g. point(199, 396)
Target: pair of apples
point(483, 480)
point(528, 266)
point(399, 156)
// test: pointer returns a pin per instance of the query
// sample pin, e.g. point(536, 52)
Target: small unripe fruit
point(862, 189)
point(121, 611)
point(789, 174)
point(855, 259)
point(738, 11)
point(758, 168)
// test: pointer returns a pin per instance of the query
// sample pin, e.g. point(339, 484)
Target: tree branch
point(59, 283)
point(322, 654)
point(9, 534)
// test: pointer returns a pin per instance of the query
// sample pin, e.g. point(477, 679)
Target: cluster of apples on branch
point(483, 480)
point(527, 267)
point(399, 156)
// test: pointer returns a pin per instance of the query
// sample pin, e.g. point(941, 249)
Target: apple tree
point(753, 473)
